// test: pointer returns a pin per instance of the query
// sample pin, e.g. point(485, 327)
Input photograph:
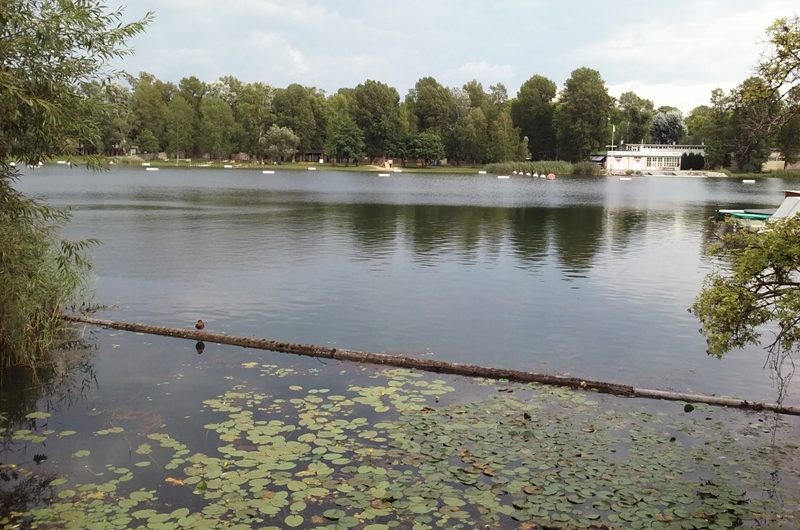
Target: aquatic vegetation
point(402, 449)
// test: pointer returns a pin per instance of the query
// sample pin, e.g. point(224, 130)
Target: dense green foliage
point(582, 115)
point(667, 127)
point(47, 48)
point(39, 274)
point(758, 114)
point(759, 286)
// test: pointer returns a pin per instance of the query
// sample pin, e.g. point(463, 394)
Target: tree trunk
point(433, 365)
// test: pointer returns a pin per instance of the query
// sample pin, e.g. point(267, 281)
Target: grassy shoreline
point(558, 167)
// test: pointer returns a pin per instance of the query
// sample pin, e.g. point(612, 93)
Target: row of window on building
point(663, 162)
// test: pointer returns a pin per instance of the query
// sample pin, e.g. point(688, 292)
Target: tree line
point(469, 124)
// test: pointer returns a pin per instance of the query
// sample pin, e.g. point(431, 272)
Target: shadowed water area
point(590, 277)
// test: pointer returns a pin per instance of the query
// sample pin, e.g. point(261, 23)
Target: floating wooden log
point(433, 365)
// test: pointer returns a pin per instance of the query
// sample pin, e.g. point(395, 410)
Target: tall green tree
point(455, 145)
point(667, 127)
point(375, 108)
point(634, 117)
point(345, 140)
point(532, 111)
point(582, 117)
point(711, 125)
point(48, 49)
point(753, 105)
point(476, 137)
point(193, 90)
point(180, 126)
point(426, 146)
point(109, 105)
point(216, 128)
point(478, 98)
point(297, 108)
point(252, 110)
point(149, 104)
point(146, 141)
point(780, 69)
point(757, 283)
point(279, 143)
point(505, 142)
point(430, 103)
point(788, 140)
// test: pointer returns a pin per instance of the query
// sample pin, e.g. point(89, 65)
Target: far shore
point(369, 168)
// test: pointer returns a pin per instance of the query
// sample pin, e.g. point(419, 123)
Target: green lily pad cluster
point(388, 453)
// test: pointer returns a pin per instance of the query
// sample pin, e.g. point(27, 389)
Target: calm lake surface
point(584, 276)
point(591, 277)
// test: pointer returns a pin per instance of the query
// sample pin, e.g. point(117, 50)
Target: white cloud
point(674, 53)
point(483, 71)
point(684, 96)
point(275, 51)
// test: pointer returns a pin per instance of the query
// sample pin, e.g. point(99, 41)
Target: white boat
point(61, 162)
point(756, 219)
point(146, 164)
point(312, 169)
point(625, 178)
point(481, 172)
point(228, 166)
point(383, 174)
point(268, 172)
point(503, 176)
point(748, 181)
point(397, 171)
point(151, 169)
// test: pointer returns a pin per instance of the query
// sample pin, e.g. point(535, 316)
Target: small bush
point(586, 169)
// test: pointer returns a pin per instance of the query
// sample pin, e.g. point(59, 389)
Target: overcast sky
point(672, 52)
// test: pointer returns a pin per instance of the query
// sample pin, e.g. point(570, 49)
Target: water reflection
point(588, 276)
point(55, 386)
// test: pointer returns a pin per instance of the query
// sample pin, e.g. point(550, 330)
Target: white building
point(648, 157)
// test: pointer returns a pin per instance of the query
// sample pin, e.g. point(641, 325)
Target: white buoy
point(268, 172)
point(312, 169)
point(145, 164)
point(481, 172)
point(748, 181)
point(151, 169)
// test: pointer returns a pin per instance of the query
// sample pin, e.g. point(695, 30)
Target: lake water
point(591, 277)
point(584, 276)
